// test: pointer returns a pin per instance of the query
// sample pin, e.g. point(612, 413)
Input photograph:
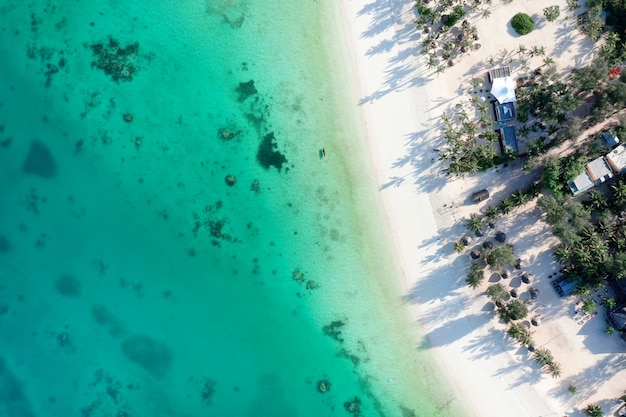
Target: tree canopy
point(523, 23)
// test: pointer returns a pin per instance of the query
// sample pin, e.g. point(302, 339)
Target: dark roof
point(481, 195)
point(500, 73)
point(617, 317)
point(508, 139)
point(504, 111)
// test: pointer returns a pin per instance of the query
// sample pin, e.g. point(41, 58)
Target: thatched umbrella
point(488, 244)
point(526, 278)
point(518, 264)
point(500, 237)
point(534, 293)
point(505, 275)
point(475, 254)
point(465, 240)
point(535, 321)
point(514, 293)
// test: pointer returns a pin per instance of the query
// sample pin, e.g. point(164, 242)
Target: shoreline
point(401, 102)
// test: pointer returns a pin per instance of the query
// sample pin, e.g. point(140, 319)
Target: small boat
point(324, 151)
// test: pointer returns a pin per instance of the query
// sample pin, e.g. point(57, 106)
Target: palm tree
point(520, 198)
point(492, 213)
point(500, 257)
point(593, 410)
point(547, 61)
point(521, 49)
point(554, 369)
point(432, 62)
point(497, 293)
point(523, 131)
point(486, 13)
point(543, 356)
point(474, 223)
point(516, 331)
point(562, 253)
point(475, 276)
point(526, 338)
point(506, 205)
point(597, 199)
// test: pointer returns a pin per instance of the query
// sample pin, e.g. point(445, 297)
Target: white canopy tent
point(503, 89)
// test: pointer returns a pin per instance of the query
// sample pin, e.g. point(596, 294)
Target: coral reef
point(353, 406)
point(267, 155)
point(334, 330)
point(153, 356)
point(246, 90)
point(40, 161)
point(230, 180)
point(115, 60)
point(323, 386)
point(5, 245)
point(68, 286)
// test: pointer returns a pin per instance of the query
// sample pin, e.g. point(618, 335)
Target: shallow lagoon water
point(172, 241)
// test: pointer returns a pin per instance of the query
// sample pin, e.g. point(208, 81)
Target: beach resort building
point(617, 159)
point(599, 170)
point(581, 183)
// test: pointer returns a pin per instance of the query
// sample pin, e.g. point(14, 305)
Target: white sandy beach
point(402, 102)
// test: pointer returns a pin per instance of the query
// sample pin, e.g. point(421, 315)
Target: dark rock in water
point(267, 155)
point(150, 354)
point(312, 285)
point(39, 161)
point(208, 390)
point(115, 60)
point(323, 386)
point(13, 398)
point(230, 180)
point(353, 406)
point(104, 318)
point(246, 90)
point(5, 245)
point(68, 286)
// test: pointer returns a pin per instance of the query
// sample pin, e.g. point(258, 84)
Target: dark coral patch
point(68, 286)
point(115, 60)
point(246, 90)
point(5, 245)
point(40, 161)
point(152, 355)
point(267, 155)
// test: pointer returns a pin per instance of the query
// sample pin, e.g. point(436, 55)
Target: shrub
point(522, 23)
point(552, 13)
point(454, 17)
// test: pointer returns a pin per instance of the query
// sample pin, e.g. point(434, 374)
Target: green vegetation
point(593, 410)
point(572, 389)
point(515, 310)
point(543, 356)
point(589, 306)
point(552, 13)
point(523, 23)
point(457, 13)
point(499, 258)
point(475, 223)
point(497, 293)
point(475, 276)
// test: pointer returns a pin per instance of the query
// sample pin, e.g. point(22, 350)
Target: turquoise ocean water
point(172, 242)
